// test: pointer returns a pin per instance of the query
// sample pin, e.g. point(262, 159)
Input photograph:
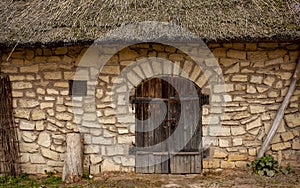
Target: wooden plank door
point(160, 113)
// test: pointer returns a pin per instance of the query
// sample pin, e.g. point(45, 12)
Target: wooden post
point(280, 112)
point(73, 164)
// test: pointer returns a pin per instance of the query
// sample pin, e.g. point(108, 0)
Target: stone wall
point(256, 75)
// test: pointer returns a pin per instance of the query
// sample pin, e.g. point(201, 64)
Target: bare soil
point(226, 178)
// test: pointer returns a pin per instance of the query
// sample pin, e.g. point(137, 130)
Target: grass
point(25, 180)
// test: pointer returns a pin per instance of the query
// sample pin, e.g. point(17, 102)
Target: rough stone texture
point(256, 75)
point(44, 139)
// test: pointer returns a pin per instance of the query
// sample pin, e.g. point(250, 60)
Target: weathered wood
point(73, 164)
point(280, 113)
point(179, 122)
point(9, 145)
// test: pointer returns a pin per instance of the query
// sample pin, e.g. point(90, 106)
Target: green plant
point(266, 165)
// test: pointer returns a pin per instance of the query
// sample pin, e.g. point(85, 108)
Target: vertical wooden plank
point(198, 163)
point(165, 165)
point(141, 160)
point(157, 161)
point(139, 118)
point(151, 163)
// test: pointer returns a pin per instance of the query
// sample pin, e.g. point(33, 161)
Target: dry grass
point(32, 21)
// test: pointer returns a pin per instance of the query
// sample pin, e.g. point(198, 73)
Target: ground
point(226, 178)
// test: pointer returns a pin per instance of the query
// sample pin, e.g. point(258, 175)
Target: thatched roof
point(33, 22)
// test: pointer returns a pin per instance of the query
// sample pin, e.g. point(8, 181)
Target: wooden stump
point(73, 164)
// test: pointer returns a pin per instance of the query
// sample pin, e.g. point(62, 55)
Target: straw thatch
point(34, 22)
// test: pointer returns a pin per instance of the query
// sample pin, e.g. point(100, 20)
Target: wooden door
point(168, 126)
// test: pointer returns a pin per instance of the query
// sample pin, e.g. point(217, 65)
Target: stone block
point(257, 56)
point(27, 103)
point(61, 51)
point(214, 163)
point(101, 140)
point(91, 149)
point(96, 159)
point(233, 69)
point(261, 88)
point(38, 115)
point(109, 166)
point(39, 126)
point(251, 89)
point(50, 154)
point(273, 62)
point(36, 158)
point(219, 52)
point(276, 139)
point(292, 120)
point(95, 169)
point(239, 78)
point(24, 157)
point(22, 113)
point(58, 148)
point(28, 168)
point(9, 70)
point(52, 92)
point(281, 146)
point(64, 116)
point(219, 130)
point(17, 61)
point(257, 109)
point(128, 54)
point(251, 46)
point(254, 124)
point(237, 141)
point(237, 157)
point(286, 136)
point(277, 53)
point(29, 136)
point(296, 144)
point(220, 153)
point(227, 62)
point(41, 91)
point(122, 131)
point(124, 139)
point(21, 85)
point(115, 150)
point(108, 120)
point(269, 80)
point(26, 125)
point(110, 69)
point(236, 54)
point(267, 45)
point(61, 84)
point(128, 161)
point(29, 69)
point(52, 75)
point(256, 79)
point(252, 151)
point(227, 165)
point(176, 57)
point(89, 117)
point(28, 147)
point(224, 142)
point(44, 139)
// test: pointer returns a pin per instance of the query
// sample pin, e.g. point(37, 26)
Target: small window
point(77, 87)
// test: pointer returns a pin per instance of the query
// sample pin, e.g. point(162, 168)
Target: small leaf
point(261, 172)
point(270, 173)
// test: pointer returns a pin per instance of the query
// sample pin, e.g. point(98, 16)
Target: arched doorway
point(168, 125)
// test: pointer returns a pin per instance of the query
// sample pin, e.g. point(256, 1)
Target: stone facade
point(256, 79)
